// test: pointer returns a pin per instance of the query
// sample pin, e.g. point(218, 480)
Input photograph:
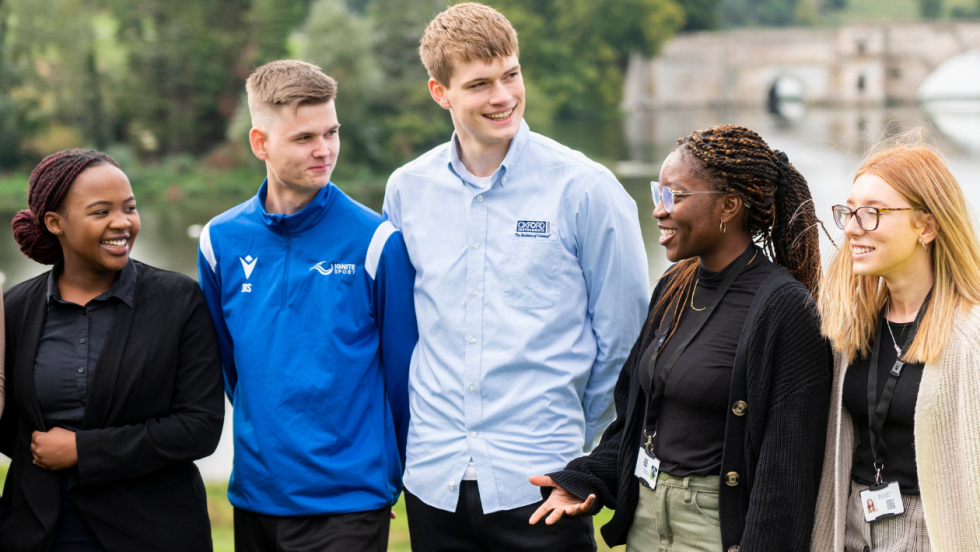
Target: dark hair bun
point(34, 241)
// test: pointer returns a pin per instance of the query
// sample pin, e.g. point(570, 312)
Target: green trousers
point(681, 514)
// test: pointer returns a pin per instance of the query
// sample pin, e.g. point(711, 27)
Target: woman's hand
point(560, 503)
point(54, 449)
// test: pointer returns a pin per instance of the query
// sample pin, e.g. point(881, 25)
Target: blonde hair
point(284, 83)
point(462, 33)
point(850, 304)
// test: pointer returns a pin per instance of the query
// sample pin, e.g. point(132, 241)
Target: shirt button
point(82, 340)
point(504, 179)
point(476, 245)
point(472, 434)
point(472, 388)
point(472, 340)
point(80, 370)
point(475, 293)
point(479, 198)
point(452, 486)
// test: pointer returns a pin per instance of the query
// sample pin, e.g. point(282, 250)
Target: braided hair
point(49, 184)
point(779, 210)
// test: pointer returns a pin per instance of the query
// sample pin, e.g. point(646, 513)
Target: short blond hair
point(462, 33)
point(285, 83)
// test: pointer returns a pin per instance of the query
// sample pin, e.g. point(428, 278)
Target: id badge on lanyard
point(647, 466)
point(884, 498)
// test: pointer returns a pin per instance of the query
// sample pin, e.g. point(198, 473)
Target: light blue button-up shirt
point(530, 291)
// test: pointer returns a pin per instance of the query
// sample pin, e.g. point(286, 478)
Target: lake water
point(826, 145)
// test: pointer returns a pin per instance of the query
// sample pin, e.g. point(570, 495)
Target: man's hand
point(54, 449)
point(560, 503)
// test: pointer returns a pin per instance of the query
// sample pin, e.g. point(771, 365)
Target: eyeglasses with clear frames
point(667, 195)
point(867, 217)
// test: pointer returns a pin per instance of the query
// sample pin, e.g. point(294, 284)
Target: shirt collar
point(517, 146)
point(124, 288)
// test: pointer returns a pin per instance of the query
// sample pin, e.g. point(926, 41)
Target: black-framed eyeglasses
point(867, 217)
point(667, 195)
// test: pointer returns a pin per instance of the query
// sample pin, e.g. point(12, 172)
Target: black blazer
point(155, 405)
point(774, 443)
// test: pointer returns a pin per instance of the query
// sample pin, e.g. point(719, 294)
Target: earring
point(923, 242)
point(723, 227)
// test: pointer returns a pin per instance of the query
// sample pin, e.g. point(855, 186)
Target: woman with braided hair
point(719, 437)
point(113, 384)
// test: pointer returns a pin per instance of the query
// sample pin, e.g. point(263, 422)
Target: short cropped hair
point(284, 83)
point(462, 33)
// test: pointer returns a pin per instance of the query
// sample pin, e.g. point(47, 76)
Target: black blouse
point(690, 432)
point(71, 343)
point(899, 461)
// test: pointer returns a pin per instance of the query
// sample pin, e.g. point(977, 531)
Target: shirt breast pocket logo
point(530, 274)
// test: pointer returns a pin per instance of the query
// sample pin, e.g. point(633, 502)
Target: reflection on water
point(825, 145)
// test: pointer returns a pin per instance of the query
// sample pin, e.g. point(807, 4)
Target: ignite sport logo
point(334, 268)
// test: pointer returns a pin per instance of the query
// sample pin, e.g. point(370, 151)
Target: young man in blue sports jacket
point(311, 295)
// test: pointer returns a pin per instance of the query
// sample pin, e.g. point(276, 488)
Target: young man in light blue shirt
point(531, 287)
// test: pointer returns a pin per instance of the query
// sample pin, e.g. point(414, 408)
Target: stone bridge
point(851, 65)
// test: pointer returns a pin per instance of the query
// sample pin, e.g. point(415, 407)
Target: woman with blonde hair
point(899, 304)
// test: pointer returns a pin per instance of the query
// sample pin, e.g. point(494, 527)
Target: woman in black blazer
point(113, 384)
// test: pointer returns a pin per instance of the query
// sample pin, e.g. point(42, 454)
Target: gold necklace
point(699, 279)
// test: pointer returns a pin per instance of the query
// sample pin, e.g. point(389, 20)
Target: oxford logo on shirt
point(326, 269)
point(248, 265)
point(533, 228)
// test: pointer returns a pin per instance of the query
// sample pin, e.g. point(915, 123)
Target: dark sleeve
point(787, 476)
point(598, 472)
point(8, 418)
point(191, 430)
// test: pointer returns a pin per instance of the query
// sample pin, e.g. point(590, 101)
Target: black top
point(689, 433)
point(155, 404)
point(70, 345)
point(899, 461)
point(782, 371)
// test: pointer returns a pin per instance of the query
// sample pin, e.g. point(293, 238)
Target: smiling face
point(486, 100)
point(97, 221)
point(300, 147)
point(896, 245)
point(692, 230)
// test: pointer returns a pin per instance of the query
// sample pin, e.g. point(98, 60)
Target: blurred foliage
point(930, 9)
point(775, 13)
point(701, 15)
point(167, 78)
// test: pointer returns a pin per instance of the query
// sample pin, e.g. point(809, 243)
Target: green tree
point(576, 51)
point(930, 9)
point(701, 15)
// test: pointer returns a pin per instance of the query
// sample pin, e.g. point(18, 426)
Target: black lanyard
point(878, 409)
point(701, 318)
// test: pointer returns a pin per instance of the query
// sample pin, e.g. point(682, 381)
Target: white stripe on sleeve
point(206, 249)
point(378, 242)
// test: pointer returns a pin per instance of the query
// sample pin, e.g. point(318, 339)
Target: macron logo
point(248, 264)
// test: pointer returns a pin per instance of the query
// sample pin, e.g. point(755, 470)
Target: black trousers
point(468, 529)
point(355, 532)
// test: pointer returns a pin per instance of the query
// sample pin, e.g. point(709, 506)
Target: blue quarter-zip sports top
point(316, 323)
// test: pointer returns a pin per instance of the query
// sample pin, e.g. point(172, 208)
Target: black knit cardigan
point(782, 371)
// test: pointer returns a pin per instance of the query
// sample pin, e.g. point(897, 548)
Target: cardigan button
point(739, 408)
point(731, 478)
point(733, 548)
